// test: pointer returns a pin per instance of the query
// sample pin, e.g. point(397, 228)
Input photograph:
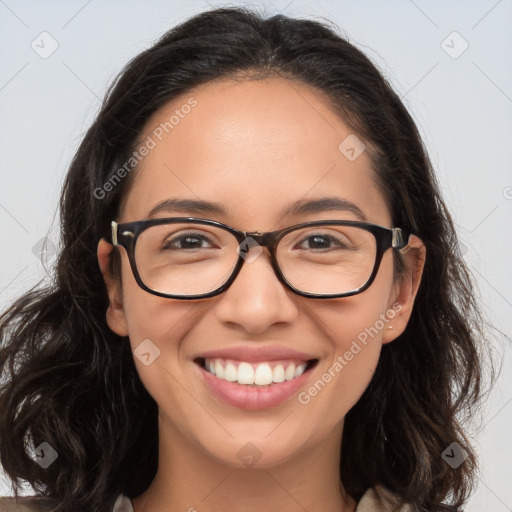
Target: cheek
point(157, 331)
point(150, 316)
point(361, 318)
point(343, 377)
point(162, 321)
point(354, 327)
point(355, 367)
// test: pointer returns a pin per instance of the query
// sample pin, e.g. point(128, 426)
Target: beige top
point(376, 499)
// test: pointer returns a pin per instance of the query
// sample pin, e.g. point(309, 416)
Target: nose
point(256, 299)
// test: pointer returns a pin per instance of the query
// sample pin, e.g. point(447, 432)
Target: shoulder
point(27, 504)
point(376, 499)
point(380, 499)
point(36, 504)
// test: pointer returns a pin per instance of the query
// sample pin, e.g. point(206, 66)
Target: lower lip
point(251, 397)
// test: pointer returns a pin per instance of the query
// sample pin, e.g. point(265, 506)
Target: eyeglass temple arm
point(114, 225)
point(399, 238)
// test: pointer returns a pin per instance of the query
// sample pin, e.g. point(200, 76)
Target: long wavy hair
point(71, 382)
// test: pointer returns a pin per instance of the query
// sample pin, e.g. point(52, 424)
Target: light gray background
point(462, 105)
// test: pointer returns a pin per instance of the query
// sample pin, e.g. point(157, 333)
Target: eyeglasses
point(192, 258)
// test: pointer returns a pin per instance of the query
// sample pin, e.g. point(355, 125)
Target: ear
point(404, 292)
point(115, 315)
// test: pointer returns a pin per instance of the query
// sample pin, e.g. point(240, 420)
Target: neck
point(190, 480)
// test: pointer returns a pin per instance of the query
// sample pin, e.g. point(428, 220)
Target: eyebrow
point(298, 208)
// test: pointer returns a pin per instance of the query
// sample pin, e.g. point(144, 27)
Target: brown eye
point(186, 241)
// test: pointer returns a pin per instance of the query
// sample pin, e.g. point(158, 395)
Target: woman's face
point(256, 147)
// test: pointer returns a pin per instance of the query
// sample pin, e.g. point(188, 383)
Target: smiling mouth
point(261, 374)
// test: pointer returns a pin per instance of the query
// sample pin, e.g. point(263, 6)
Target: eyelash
point(166, 244)
point(177, 239)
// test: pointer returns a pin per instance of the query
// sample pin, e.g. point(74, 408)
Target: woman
point(260, 301)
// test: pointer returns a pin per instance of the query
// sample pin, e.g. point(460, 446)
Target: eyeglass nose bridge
point(263, 239)
point(268, 240)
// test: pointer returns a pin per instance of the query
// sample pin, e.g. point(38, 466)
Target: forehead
point(254, 146)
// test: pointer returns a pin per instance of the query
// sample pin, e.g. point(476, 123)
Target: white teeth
point(300, 369)
point(219, 370)
point(260, 374)
point(230, 373)
point(278, 373)
point(290, 372)
point(263, 375)
point(245, 374)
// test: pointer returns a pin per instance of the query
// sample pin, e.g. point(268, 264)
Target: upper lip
point(255, 354)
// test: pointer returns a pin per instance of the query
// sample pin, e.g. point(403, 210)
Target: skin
point(255, 147)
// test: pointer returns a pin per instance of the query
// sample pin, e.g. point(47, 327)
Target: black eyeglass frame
point(126, 235)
